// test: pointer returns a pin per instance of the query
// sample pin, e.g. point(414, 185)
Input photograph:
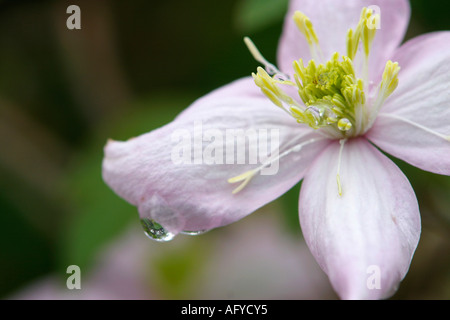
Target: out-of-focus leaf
point(24, 253)
point(289, 205)
point(442, 200)
point(431, 16)
point(254, 15)
point(174, 274)
point(98, 214)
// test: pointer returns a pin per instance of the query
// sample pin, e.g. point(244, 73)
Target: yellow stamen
point(332, 93)
point(334, 98)
point(245, 177)
point(387, 86)
point(254, 51)
point(248, 175)
point(270, 68)
point(364, 32)
point(338, 180)
point(338, 176)
point(269, 86)
point(390, 79)
point(306, 27)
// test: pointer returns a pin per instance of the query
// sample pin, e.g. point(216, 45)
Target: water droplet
point(344, 124)
point(315, 113)
point(281, 77)
point(155, 231)
point(194, 233)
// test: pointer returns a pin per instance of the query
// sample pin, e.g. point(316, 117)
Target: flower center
point(331, 93)
point(333, 98)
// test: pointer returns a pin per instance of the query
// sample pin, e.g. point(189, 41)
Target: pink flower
point(336, 94)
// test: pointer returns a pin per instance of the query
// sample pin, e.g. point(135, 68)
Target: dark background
point(131, 68)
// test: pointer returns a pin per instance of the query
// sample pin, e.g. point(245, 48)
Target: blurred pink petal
point(237, 263)
point(260, 260)
point(117, 275)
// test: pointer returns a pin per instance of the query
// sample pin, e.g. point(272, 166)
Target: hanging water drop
point(155, 231)
point(194, 233)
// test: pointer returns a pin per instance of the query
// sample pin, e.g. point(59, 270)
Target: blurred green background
point(132, 67)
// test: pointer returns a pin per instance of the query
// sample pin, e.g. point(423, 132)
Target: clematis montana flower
point(343, 87)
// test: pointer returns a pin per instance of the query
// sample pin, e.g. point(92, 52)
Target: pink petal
point(196, 196)
point(373, 226)
point(332, 19)
point(422, 97)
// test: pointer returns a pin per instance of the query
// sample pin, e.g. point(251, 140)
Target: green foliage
point(254, 15)
point(23, 253)
point(175, 273)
